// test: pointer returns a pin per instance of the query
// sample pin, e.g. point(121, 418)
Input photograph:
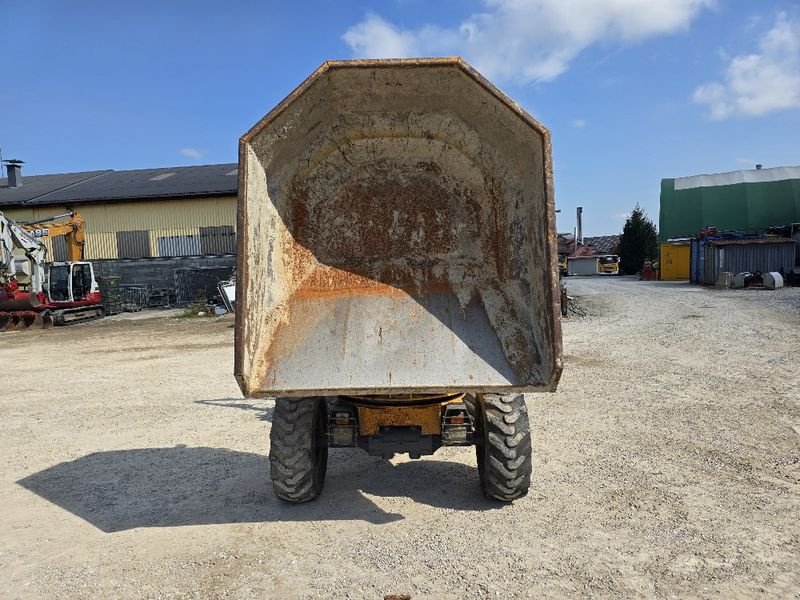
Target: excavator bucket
point(19, 312)
point(18, 320)
point(396, 235)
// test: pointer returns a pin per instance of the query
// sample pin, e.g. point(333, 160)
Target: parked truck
point(397, 286)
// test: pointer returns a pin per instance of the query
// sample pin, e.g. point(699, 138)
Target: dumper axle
point(388, 430)
point(304, 429)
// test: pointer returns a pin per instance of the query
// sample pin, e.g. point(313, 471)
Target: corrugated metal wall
point(696, 260)
point(742, 258)
point(187, 227)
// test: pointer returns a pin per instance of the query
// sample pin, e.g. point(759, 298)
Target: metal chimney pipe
point(579, 237)
point(14, 170)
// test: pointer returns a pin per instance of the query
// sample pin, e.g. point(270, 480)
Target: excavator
point(34, 292)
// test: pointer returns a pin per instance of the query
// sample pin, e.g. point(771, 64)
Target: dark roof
point(602, 244)
point(566, 243)
point(108, 186)
point(747, 242)
point(35, 186)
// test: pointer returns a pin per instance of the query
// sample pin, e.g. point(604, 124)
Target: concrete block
point(773, 281)
point(738, 280)
point(724, 280)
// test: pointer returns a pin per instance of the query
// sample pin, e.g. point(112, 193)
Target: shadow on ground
point(263, 412)
point(166, 487)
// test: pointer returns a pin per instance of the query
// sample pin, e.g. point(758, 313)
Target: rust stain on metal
point(330, 282)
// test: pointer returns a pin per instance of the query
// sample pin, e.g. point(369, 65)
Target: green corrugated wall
point(746, 206)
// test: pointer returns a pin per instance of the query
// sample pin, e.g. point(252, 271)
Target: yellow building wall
point(161, 218)
point(674, 262)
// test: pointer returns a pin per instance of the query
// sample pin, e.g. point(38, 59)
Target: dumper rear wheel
point(298, 453)
point(502, 444)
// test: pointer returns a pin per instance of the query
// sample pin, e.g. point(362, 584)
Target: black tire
point(502, 445)
point(298, 452)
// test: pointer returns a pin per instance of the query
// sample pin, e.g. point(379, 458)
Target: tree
point(638, 243)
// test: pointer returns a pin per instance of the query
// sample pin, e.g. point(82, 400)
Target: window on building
point(133, 244)
point(218, 240)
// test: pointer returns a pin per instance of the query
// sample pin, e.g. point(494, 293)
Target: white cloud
point(527, 40)
point(193, 153)
point(379, 39)
point(762, 82)
point(579, 123)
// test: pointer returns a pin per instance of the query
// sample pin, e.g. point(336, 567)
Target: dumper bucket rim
point(381, 63)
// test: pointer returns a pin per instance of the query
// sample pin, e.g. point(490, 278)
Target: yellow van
point(608, 264)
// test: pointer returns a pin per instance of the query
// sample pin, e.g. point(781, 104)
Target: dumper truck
point(396, 282)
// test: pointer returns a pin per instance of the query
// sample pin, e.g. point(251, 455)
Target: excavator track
point(24, 320)
point(73, 316)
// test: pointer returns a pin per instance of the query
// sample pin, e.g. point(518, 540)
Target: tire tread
point(295, 476)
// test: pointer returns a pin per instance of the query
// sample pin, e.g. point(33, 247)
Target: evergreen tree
point(638, 243)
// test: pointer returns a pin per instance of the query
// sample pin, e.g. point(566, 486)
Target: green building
point(751, 200)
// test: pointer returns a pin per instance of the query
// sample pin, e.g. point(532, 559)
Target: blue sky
point(632, 90)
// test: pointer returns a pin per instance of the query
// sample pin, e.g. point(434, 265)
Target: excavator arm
point(73, 230)
point(13, 235)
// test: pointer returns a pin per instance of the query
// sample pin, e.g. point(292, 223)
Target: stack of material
point(199, 285)
point(110, 292)
point(134, 298)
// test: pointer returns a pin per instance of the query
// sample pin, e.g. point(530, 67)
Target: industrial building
point(147, 226)
point(750, 201)
point(740, 221)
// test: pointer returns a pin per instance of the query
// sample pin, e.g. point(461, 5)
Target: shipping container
point(747, 256)
point(674, 262)
point(696, 259)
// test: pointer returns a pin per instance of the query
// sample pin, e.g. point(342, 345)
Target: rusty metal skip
point(396, 276)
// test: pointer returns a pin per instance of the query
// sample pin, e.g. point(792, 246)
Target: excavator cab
point(71, 281)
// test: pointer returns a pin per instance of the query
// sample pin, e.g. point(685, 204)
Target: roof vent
point(14, 170)
point(161, 177)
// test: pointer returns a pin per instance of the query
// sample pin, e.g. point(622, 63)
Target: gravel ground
point(667, 465)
